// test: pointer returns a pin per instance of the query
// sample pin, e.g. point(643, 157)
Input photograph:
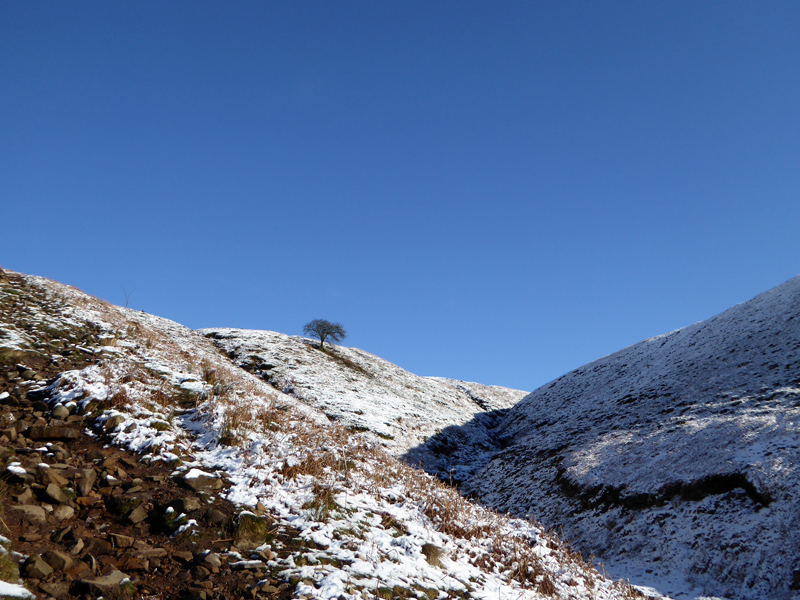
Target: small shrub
point(546, 585)
point(433, 554)
point(9, 569)
point(323, 502)
point(209, 373)
point(119, 398)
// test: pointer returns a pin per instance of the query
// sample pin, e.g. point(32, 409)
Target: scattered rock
point(250, 532)
point(121, 541)
point(60, 412)
point(37, 568)
point(54, 493)
point(109, 585)
point(186, 505)
point(112, 423)
point(87, 480)
point(57, 560)
point(76, 547)
point(54, 432)
point(200, 481)
point(63, 512)
point(210, 560)
point(56, 590)
point(217, 517)
point(31, 513)
point(97, 547)
point(137, 515)
point(59, 535)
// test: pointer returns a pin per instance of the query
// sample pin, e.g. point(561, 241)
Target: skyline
point(493, 194)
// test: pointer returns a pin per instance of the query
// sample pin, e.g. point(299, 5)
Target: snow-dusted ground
point(360, 390)
point(675, 460)
point(378, 524)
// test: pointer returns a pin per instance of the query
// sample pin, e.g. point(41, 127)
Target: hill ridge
point(656, 456)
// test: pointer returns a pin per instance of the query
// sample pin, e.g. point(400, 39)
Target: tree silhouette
point(323, 330)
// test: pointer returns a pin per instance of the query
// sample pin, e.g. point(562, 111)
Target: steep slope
point(674, 460)
point(321, 511)
point(360, 390)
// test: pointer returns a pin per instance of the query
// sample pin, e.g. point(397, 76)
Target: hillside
point(359, 390)
point(315, 509)
point(675, 460)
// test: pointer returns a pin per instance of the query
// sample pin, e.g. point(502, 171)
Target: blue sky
point(492, 193)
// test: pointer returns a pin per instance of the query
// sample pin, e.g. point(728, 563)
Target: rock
point(60, 412)
point(76, 547)
point(54, 432)
point(200, 481)
point(264, 587)
point(108, 585)
point(18, 474)
point(250, 531)
point(37, 568)
point(267, 554)
point(200, 572)
point(63, 512)
point(186, 505)
point(48, 476)
point(88, 477)
point(137, 515)
point(78, 569)
point(56, 590)
point(112, 423)
point(31, 513)
point(247, 565)
point(57, 560)
point(96, 546)
point(25, 497)
point(217, 517)
point(121, 541)
point(183, 556)
point(134, 563)
point(54, 493)
point(153, 553)
point(59, 535)
point(210, 560)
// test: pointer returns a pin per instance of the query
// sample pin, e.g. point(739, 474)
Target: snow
point(675, 461)
point(195, 473)
point(186, 404)
point(359, 390)
point(10, 590)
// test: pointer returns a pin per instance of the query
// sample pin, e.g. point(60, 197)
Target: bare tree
point(127, 294)
point(324, 330)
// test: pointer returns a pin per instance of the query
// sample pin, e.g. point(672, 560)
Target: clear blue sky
point(496, 192)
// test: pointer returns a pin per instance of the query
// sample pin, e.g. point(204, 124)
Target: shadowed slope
point(674, 460)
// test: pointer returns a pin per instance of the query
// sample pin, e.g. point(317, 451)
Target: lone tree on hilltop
point(324, 330)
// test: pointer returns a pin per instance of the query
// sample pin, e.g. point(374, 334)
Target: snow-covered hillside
point(370, 525)
point(360, 390)
point(675, 461)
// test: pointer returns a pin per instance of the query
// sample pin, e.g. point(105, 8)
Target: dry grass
point(433, 554)
point(332, 454)
point(323, 502)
